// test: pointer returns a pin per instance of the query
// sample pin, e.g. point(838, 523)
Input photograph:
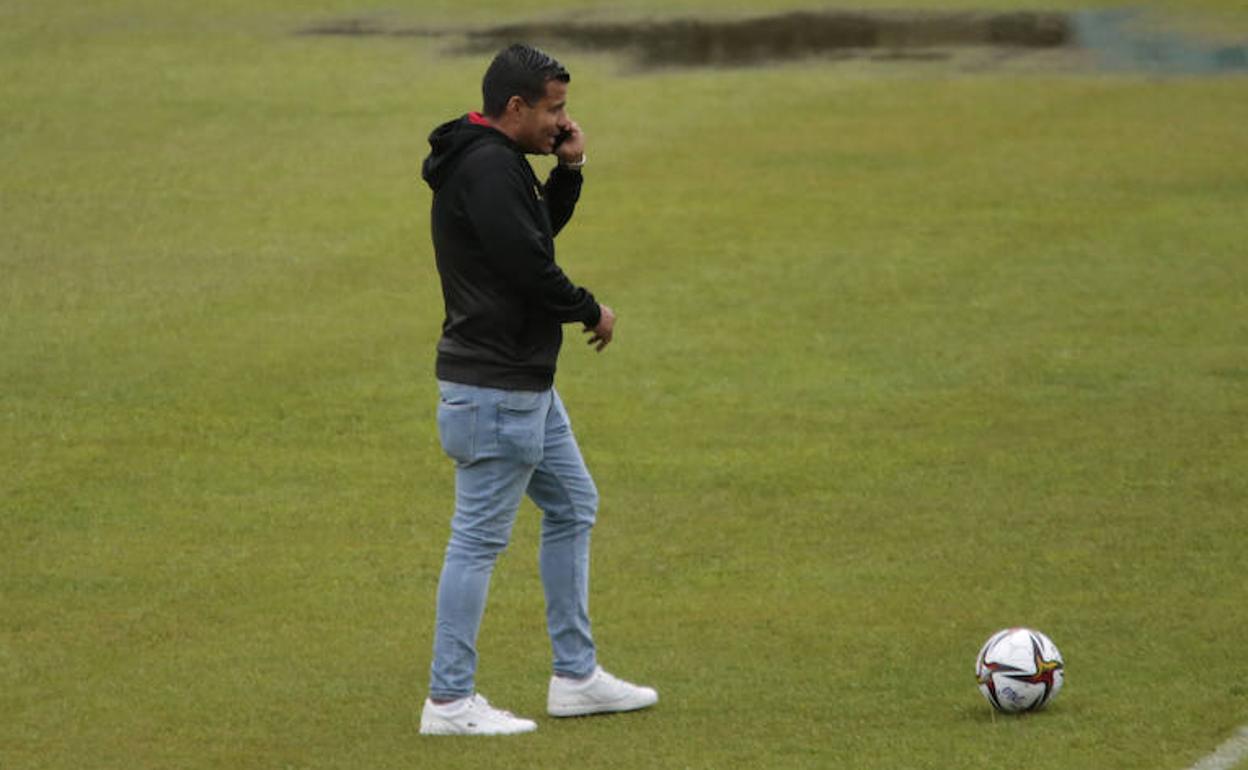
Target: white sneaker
point(471, 716)
point(599, 694)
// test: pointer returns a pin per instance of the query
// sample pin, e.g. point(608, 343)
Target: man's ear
point(514, 104)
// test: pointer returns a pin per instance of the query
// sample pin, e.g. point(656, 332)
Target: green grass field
point(905, 355)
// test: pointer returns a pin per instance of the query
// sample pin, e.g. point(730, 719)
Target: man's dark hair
point(518, 70)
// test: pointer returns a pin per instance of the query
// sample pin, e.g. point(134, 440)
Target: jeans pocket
point(457, 429)
point(522, 426)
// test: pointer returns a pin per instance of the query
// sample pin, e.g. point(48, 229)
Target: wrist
point(574, 164)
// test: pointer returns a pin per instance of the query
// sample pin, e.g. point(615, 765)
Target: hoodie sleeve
point(563, 190)
point(506, 211)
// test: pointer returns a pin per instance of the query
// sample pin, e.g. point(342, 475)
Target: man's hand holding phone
point(570, 145)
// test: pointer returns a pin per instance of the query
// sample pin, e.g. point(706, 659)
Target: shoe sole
point(443, 728)
point(588, 709)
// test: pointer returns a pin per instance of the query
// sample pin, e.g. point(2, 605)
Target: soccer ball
point(1019, 669)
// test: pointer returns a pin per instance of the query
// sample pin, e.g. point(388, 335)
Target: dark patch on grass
point(1111, 38)
point(758, 40)
point(696, 42)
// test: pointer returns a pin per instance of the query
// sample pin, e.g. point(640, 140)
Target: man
point(500, 418)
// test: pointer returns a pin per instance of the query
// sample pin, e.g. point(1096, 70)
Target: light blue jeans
point(506, 443)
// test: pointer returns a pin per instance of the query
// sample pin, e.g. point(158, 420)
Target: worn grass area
point(903, 358)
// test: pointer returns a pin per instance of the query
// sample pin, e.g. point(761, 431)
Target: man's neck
point(478, 119)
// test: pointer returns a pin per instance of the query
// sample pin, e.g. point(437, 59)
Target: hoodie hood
point(450, 141)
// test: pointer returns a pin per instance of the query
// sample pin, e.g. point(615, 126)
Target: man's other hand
point(601, 334)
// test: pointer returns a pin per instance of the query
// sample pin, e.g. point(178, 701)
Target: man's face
point(542, 122)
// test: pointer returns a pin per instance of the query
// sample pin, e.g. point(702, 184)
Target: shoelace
point(480, 699)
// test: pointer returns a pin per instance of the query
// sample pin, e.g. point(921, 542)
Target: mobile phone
point(561, 138)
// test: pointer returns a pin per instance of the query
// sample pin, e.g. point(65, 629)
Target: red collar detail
point(477, 119)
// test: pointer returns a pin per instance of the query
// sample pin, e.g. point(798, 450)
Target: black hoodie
point(493, 228)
